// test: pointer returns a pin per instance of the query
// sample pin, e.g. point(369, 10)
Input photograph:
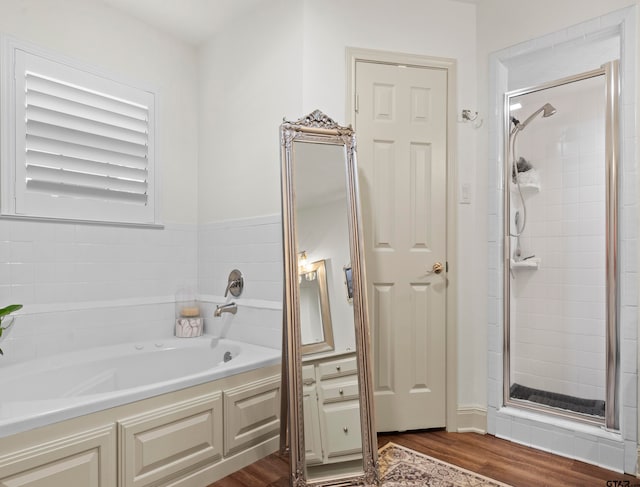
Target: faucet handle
point(235, 284)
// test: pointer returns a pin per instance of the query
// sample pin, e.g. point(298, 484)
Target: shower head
point(547, 110)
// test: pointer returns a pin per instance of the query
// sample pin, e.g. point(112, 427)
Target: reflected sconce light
point(305, 268)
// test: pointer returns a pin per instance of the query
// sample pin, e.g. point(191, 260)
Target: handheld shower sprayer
point(547, 110)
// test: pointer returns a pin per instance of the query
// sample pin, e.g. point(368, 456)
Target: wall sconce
point(305, 268)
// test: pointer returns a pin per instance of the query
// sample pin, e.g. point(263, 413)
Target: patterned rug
point(402, 467)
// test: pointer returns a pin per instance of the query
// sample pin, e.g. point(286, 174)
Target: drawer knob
point(338, 368)
point(341, 392)
point(345, 429)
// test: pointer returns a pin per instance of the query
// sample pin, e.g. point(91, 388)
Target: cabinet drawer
point(160, 444)
point(334, 390)
point(342, 427)
point(338, 368)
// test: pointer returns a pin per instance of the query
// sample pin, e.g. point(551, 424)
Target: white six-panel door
point(401, 122)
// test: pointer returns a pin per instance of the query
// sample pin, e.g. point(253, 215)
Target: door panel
point(402, 140)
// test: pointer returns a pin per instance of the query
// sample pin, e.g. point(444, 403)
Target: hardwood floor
point(501, 460)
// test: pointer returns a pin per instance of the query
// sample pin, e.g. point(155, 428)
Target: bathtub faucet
point(225, 308)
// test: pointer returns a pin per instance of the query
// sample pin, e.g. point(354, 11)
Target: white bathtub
point(59, 387)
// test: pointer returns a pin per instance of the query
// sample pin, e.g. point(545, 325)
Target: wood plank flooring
point(501, 460)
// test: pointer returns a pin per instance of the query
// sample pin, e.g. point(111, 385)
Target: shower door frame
point(610, 71)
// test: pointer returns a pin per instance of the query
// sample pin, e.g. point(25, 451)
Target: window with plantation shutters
point(83, 144)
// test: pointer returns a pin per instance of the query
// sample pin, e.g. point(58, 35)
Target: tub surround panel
point(88, 456)
point(159, 444)
point(252, 414)
point(162, 441)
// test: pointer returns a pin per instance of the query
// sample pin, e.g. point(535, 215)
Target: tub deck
point(60, 387)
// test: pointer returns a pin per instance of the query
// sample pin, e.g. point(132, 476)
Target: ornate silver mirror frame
point(317, 128)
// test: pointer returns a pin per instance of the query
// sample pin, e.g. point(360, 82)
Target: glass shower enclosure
point(560, 247)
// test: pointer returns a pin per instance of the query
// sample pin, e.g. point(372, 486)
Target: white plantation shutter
point(84, 144)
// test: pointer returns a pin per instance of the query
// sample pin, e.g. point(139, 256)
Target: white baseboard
point(472, 419)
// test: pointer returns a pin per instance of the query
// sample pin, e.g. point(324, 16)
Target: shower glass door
point(560, 247)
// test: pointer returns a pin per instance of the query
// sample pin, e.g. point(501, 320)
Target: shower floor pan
point(592, 407)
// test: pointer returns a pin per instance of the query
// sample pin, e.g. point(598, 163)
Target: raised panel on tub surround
point(252, 414)
point(173, 440)
point(162, 443)
point(85, 459)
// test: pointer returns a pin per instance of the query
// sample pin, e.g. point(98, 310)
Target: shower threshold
point(593, 407)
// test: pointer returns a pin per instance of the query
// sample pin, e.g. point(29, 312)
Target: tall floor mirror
point(326, 371)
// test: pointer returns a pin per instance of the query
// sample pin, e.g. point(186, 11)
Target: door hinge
point(357, 103)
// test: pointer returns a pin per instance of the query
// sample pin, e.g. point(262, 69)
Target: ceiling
point(192, 21)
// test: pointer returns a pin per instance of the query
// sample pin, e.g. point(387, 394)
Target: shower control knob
point(437, 268)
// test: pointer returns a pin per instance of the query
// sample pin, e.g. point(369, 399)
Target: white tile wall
point(254, 246)
point(91, 285)
point(88, 285)
point(558, 328)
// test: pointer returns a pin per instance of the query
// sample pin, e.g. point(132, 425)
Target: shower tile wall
point(559, 326)
point(580, 48)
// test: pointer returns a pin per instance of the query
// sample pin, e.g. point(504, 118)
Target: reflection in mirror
point(322, 226)
point(315, 315)
point(331, 428)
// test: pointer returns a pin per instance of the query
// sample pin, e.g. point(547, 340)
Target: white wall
point(438, 28)
point(101, 36)
point(85, 285)
point(250, 78)
point(288, 59)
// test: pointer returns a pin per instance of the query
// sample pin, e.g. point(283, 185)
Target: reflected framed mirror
point(316, 330)
point(327, 391)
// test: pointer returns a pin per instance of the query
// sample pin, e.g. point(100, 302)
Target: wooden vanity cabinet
point(335, 413)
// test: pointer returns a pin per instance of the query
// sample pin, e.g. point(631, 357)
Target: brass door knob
point(437, 268)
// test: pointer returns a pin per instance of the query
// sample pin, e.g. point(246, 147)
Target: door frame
point(353, 55)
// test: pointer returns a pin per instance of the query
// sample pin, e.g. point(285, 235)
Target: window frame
point(78, 209)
